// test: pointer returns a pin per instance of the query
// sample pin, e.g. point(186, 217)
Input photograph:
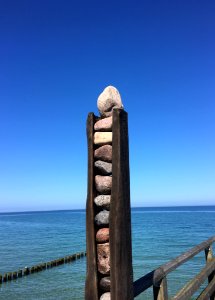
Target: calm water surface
point(159, 234)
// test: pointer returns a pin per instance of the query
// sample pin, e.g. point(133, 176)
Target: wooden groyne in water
point(6, 277)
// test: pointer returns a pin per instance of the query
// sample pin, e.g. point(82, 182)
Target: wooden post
point(5, 277)
point(9, 276)
point(91, 285)
point(160, 292)
point(209, 258)
point(26, 271)
point(121, 272)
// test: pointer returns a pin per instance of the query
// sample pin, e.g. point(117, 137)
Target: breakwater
point(6, 277)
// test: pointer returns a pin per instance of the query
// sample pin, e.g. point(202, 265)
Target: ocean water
point(158, 235)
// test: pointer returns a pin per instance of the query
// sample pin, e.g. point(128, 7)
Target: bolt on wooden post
point(108, 215)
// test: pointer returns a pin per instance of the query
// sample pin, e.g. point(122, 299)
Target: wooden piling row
point(40, 267)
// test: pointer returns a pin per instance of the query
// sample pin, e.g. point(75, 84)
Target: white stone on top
point(108, 100)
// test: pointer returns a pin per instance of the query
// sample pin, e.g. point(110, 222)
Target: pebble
point(102, 235)
point(104, 153)
point(103, 252)
point(107, 100)
point(102, 218)
point(102, 138)
point(103, 184)
point(104, 284)
point(105, 296)
point(104, 167)
point(103, 201)
point(103, 124)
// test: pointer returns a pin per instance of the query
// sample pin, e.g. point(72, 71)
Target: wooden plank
point(160, 292)
point(121, 272)
point(208, 291)
point(187, 291)
point(209, 258)
point(91, 285)
point(175, 263)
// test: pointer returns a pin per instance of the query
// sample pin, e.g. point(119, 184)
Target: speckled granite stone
point(103, 184)
point(103, 201)
point(104, 153)
point(103, 167)
point(103, 124)
point(102, 218)
point(103, 252)
point(102, 235)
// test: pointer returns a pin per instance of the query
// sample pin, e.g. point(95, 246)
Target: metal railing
point(157, 279)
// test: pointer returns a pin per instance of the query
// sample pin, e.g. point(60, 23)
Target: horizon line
point(83, 209)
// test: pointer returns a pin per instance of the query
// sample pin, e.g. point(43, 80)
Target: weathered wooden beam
point(175, 263)
point(91, 284)
point(160, 292)
point(208, 291)
point(209, 258)
point(121, 272)
point(187, 291)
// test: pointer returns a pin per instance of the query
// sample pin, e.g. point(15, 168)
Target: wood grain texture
point(161, 292)
point(209, 257)
point(91, 285)
point(121, 272)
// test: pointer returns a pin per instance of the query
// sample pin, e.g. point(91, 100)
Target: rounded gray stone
point(102, 218)
point(104, 167)
point(103, 201)
point(104, 284)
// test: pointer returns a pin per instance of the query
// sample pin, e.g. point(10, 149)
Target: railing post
point(209, 257)
point(160, 292)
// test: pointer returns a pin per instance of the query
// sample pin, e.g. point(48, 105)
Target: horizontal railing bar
point(143, 283)
point(175, 263)
point(208, 291)
point(187, 291)
point(154, 277)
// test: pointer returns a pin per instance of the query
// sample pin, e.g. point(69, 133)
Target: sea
point(158, 235)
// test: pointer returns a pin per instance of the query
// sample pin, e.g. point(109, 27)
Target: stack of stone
point(109, 99)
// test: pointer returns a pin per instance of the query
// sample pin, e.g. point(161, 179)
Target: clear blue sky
point(55, 59)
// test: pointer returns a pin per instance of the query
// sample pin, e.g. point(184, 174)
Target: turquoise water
point(159, 234)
